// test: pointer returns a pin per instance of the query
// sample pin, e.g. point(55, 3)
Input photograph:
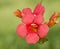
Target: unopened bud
point(18, 13)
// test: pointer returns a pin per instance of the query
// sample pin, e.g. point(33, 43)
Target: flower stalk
point(41, 1)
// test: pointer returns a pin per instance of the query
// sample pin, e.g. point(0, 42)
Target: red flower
point(32, 27)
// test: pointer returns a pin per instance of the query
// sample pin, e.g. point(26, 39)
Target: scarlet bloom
point(32, 27)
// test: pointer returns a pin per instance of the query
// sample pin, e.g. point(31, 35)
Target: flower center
point(32, 28)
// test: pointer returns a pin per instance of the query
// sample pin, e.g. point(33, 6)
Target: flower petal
point(27, 16)
point(32, 38)
point(21, 30)
point(43, 30)
point(39, 9)
point(38, 19)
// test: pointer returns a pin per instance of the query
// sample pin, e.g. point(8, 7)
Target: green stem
point(41, 1)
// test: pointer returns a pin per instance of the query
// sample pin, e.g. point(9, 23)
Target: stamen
point(33, 28)
point(34, 14)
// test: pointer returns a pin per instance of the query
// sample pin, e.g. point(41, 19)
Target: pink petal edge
point(43, 30)
point(38, 19)
point(21, 30)
point(32, 38)
point(39, 9)
point(27, 16)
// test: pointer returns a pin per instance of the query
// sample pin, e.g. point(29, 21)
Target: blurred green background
point(8, 24)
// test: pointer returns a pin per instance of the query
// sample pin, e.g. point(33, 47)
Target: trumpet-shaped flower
point(32, 27)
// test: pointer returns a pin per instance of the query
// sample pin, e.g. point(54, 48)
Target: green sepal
point(43, 40)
